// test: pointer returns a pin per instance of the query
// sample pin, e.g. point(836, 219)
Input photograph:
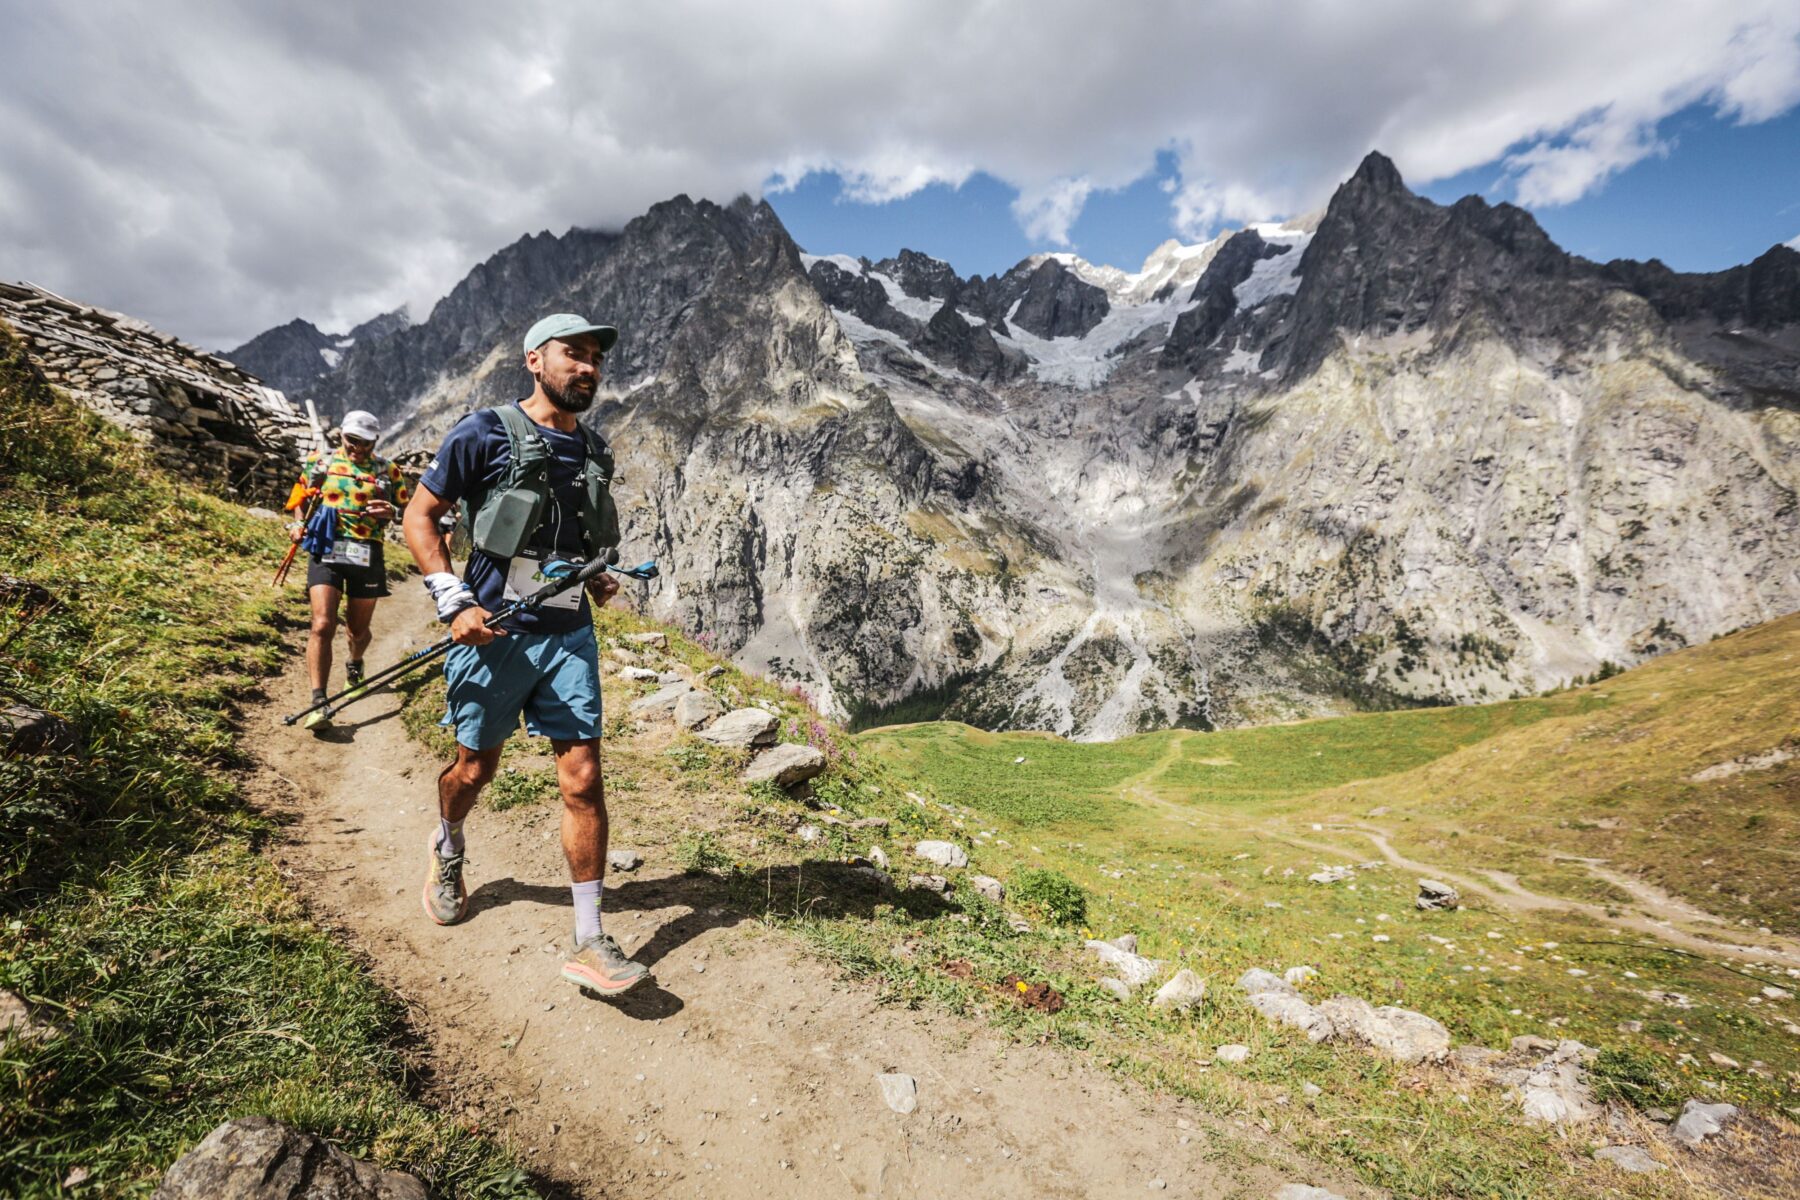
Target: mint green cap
point(567, 325)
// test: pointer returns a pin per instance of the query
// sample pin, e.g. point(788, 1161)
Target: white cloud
point(1793, 242)
point(218, 168)
point(1045, 213)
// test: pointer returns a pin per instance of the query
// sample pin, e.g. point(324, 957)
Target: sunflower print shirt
point(349, 486)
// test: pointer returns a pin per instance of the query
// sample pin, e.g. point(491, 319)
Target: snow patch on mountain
point(1277, 276)
point(1086, 362)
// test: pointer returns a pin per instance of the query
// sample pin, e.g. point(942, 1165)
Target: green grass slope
point(1558, 810)
point(135, 911)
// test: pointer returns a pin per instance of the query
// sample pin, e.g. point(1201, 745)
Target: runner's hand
point(470, 628)
point(381, 510)
point(603, 587)
point(295, 532)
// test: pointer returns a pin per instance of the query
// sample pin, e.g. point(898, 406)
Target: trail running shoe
point(601, 966)
point(313, 720)
point(445, 900)
point(353, 676)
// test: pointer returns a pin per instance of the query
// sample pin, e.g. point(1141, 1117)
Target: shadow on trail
point(342, 733)
point(797, 890)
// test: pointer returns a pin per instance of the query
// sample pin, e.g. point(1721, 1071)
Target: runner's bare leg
point(324, 600)
point(357, 617)
point(584, 827)
point(461, 782)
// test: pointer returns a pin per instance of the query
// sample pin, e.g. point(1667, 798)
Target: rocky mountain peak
point(921, 276)
point(1385, 261)
point(1214, 299)
point(1054, 302)
point(1377, 175)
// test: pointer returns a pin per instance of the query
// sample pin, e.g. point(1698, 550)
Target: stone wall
point(198, 413)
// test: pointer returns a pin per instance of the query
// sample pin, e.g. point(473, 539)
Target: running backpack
point(511, 511)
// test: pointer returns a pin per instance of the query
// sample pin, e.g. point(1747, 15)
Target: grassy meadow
point(1201, 844)
point(137, 915)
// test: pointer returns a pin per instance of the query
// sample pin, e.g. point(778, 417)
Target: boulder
point(785, 765)
point(623, 860)
point(1184, 991)
point(261, 513)
point(1301, 1191)
point(1134, 969)
point(26, 730)
point(1256, 981)
point(255, 1158)
point(660, 703)
point(16, 1021)
point(638, 674)
point(931, 883)
point(899, 1092)
point(653, 638)
point(1555, 1091)
point(670, 677)
point(1399, 1033)
point(1286, 1008)
point(988, 886)
point(1297, 976)
point(1333, 875)
point(1232, 1053)
point(1699, 1121)
point(741, 727)
point(869, 823)
point(879, 857)
point(944, 854)
point(694, 709)
point(1434, 895)
point(1126, 942)
point(624, 657)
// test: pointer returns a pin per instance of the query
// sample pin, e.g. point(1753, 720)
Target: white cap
point(360, 424)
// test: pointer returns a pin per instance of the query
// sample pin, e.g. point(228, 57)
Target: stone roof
point(196, 411)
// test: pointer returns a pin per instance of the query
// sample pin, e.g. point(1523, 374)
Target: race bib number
point(349, 554)
point(525, 576)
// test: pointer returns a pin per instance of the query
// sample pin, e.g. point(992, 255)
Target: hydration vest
point(511, 511)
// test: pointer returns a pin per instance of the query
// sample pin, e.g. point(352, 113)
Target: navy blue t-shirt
point(472, 460)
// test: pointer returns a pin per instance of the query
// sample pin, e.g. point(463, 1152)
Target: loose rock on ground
point(786, 765)
point(900, 1092)
point(1699, 1121)
point(255, 1158)
point(944, 854)
point(1184, 991)
point(741, 728)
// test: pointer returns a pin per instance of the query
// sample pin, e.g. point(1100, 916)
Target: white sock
point(450, 837)
point(587, 909)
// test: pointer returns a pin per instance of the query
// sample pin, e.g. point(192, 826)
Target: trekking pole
point(418, 658)
point(281, 572)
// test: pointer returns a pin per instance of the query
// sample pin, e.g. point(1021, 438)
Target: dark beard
point(570, 399)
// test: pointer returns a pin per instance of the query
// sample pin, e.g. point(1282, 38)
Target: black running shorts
point(358, 583)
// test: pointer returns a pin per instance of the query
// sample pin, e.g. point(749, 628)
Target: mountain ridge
point(1400, 453)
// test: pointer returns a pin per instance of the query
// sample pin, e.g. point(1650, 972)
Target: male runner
point(363, 489)
point(544, 664)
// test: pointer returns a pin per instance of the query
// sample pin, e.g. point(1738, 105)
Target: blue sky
point(1721, 194)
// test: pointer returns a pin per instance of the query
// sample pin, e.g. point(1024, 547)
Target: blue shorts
point(553, 678)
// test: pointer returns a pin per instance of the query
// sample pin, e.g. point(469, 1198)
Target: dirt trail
point(1658, 911)
point(749, 1070)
